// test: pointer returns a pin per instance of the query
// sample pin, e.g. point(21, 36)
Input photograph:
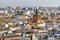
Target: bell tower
point(36, 16)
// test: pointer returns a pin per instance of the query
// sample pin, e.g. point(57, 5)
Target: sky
point(30, 3)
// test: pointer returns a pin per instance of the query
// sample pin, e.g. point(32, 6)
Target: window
point(0, 38)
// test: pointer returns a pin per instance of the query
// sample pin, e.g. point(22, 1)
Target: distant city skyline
point(30, 3)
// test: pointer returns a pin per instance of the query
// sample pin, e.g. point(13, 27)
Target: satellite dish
point(6, 25)
point(28, 13)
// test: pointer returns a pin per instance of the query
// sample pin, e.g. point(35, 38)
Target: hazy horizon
point(30, 3)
